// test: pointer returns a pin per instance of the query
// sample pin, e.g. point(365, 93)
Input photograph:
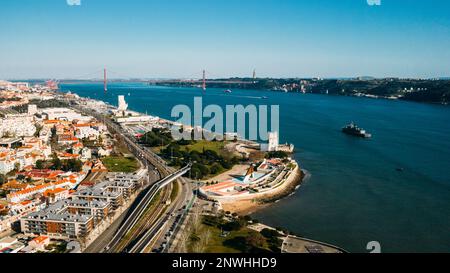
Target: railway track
point(153, 234)
point(146, 222)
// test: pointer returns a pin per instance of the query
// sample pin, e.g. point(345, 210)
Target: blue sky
point(179, 38)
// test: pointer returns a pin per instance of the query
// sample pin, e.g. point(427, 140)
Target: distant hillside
point(430, 91)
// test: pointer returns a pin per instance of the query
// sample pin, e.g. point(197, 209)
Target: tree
point(195, 173)
point(254, 240)
point(216, 168)
point(277, 154)
point(211, 155)
point(270, 233)
point(284, 230)
point(72, 165)
point(157, 137)
point(61, 247)
point(234, 225)
point(38, 130)
point(226, 164)
point(2, 179)
point(21, 177)
point(40, 164)
point(204, 169)
point(56, 163)
point(195, 156)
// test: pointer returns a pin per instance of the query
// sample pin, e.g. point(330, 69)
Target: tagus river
point(356, 193)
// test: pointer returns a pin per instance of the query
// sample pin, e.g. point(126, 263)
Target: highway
point(151, 215)
point(164, 224)
point(152, 161)
point(139, 210)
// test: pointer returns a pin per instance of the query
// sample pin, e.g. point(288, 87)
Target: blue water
point(355, 194)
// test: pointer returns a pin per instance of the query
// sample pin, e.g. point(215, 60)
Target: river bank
point(347, 171)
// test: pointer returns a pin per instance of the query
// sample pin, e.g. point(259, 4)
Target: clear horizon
point(178, 39)
point(100, 80)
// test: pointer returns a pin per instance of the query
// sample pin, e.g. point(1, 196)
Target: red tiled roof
point(40, 239)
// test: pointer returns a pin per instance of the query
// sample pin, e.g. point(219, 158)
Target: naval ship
point(354, 130)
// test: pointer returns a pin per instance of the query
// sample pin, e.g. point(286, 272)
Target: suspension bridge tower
point(105, 80)
point(204, 80)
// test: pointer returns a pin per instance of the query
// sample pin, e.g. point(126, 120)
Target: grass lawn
point(121, 164)
point(217, 146)
point(218, 244)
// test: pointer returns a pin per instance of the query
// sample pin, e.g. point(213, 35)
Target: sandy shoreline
point(249, 206)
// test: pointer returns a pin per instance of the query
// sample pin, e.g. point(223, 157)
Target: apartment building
point(87, 207)
point(17, 125)
point(123, 183)
point(58, 222)
point(99, 210)
point(114, 198)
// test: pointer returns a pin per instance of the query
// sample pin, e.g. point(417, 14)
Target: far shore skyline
point(225, 77)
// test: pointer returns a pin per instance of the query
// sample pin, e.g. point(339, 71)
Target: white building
point(7, 163)
point(136, 119)
point(32, 109)
point(123, 106)
point(39, 243)
point(64, 114)
point(7, 242)
point(86, 154)
point(86, 132)
point(27, 155)
point(273, 144)
point(45, 134)
point(17, 126)
point(103, 152)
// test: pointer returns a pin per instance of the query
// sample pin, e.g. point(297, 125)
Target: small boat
point(399, 169)
point(264, 97)
point(228, 91)
point(354, 130)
